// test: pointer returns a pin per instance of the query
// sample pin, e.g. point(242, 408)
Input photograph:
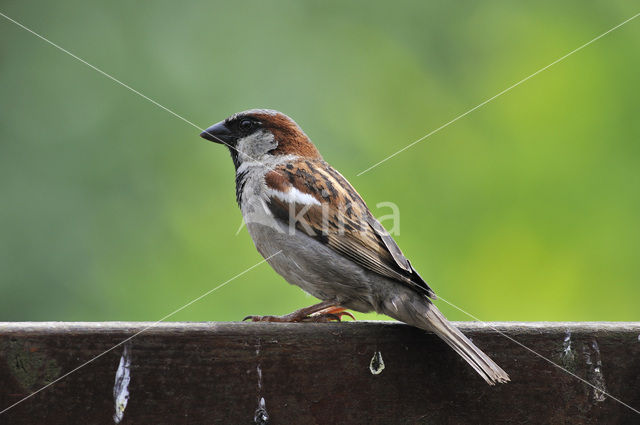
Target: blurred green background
point(526, 209)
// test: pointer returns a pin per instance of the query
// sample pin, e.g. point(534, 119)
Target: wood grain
point(216, 373)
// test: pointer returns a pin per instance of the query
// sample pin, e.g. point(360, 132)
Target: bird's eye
point(246, 125)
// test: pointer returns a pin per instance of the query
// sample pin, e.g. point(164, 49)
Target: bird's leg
point(321, 312)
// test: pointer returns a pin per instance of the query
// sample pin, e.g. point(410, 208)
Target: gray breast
point(314, 267)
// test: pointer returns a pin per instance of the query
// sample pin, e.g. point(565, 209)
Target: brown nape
point(291, 139)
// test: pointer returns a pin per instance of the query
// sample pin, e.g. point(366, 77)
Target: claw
point(323, 312)
point(346, 313)
point(268, 319)
point(321, 318)
point(331, 313)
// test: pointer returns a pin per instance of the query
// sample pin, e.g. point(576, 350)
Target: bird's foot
point(284, 318)
point(323, 312)
point(329, 314)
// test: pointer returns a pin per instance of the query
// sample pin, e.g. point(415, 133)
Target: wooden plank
point(217, 373)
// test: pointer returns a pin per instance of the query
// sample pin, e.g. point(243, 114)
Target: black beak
point(219, 133)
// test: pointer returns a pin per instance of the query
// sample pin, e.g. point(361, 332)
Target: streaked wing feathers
point(340, 218)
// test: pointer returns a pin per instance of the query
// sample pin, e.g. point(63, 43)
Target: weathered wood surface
point(216, 373)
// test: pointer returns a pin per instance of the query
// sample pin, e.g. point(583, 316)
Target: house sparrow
point(316, 231)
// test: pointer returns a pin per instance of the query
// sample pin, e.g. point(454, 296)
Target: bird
point(316, 231)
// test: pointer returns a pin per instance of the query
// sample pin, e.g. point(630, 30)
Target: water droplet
point(121, 386)
point(376, 366)
point(261, 417)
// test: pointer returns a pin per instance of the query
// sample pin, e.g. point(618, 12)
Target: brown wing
point(340, 219)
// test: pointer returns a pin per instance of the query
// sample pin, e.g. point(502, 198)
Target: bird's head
point(260, 134)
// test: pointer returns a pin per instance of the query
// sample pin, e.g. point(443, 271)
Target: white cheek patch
point(243, 144)
point(294, 196)
point(254, 146)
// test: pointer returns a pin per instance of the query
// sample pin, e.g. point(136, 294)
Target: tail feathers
point(486, 368)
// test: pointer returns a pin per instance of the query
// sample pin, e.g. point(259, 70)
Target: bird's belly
point(312, 266)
